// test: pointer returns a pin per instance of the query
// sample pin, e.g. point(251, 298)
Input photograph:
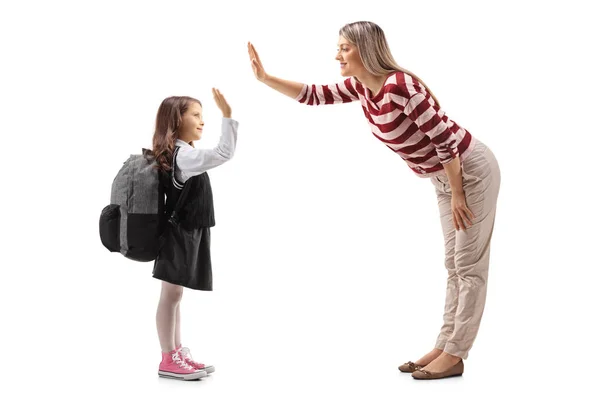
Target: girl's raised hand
point(222, 103)
point(257, 67)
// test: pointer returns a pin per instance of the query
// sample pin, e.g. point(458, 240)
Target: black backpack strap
point(174, 218)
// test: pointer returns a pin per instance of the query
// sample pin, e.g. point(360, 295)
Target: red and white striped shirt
point(404, 116)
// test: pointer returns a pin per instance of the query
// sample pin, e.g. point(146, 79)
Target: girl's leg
point(178, 326)
point(166, 315)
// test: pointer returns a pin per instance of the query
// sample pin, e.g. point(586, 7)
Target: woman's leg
point(166, 315)
point(481, 177)
point(451, 303)
point(443, 195)
point(472, 251)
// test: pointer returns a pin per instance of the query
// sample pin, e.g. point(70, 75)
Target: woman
point(406, 116)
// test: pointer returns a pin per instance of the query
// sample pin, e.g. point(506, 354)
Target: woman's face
point(191, 123)
point(350, 62)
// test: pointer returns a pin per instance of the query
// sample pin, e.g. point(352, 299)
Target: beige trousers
point(467, 251)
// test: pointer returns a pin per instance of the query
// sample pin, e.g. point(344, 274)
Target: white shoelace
point(185, 352)
point(180, 362)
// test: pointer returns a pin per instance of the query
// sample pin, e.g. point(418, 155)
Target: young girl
point(184, 256)
point(406, 117)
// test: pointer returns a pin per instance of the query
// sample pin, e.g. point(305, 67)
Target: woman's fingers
point(251, 51)
point(455, 222)
point(463, 218)
point(471, 216)
point(467, 215)
point(253, 61)
point(254, 55)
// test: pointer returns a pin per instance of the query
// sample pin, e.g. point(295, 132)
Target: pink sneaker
point(187, 357)
point(172, 366)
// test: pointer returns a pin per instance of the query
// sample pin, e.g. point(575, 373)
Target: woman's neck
point(373, 82)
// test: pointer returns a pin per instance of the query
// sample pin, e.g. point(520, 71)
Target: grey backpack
point(133, 221)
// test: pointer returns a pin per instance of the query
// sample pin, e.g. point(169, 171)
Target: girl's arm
point(191, 161)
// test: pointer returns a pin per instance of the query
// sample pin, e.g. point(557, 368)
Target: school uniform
point(184, 255)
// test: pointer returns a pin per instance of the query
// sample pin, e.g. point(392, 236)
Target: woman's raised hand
point(257, 67)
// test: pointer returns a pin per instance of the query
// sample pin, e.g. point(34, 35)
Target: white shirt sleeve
point(192, 161)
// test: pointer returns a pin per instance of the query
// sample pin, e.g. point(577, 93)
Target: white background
point(328, 251)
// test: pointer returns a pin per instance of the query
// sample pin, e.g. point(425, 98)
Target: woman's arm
point(289, 88)
point(462, 216)
point(426, 116)
point(343, 92)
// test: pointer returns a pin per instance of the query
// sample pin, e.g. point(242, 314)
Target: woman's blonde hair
point(374, 51)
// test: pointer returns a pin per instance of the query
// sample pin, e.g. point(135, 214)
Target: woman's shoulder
point(402, 84)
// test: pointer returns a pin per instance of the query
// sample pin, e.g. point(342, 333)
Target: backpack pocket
point(110, 227)
point(142, 236)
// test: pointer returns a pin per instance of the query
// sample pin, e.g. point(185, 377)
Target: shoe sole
point(441, 377)
point(183, 377)
point(208, 370)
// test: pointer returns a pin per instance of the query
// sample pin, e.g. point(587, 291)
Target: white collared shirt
point(192, 161)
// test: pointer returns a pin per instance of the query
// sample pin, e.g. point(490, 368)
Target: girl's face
point(191, 123)
point(350, 62)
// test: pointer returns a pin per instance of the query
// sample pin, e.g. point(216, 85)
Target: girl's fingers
point(454, 221)
point(218, 97)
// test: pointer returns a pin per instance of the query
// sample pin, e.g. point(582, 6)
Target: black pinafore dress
point(184, 254)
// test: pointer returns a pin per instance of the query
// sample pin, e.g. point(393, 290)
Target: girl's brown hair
point(168, 120)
